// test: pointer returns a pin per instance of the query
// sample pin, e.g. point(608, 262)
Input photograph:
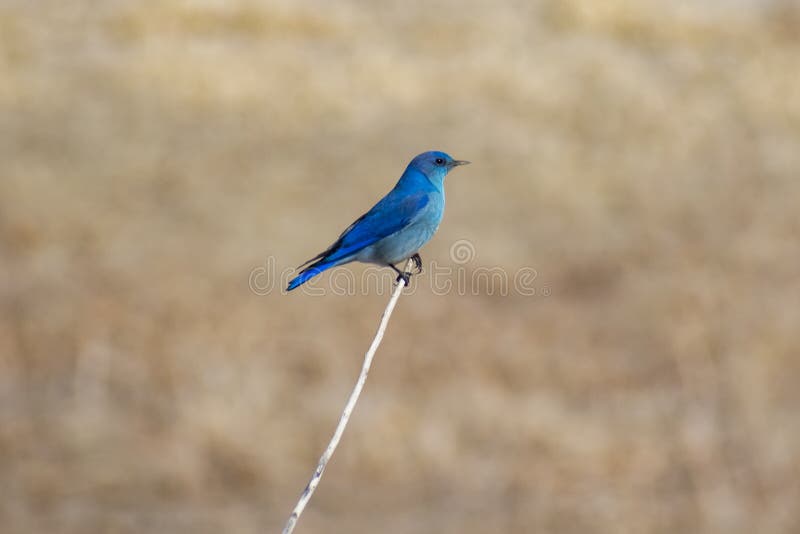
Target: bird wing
point(393, 213)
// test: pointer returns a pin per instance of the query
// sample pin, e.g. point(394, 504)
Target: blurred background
point(640, 158)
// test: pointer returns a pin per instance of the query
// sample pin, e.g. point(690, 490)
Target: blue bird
point(396, 227)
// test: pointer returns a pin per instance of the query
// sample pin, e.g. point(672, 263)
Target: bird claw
point(405, 277)
point(417, 263)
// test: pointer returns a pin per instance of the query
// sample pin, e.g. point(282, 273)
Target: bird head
point(435, 165)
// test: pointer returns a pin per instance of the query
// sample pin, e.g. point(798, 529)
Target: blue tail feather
point(308, 273)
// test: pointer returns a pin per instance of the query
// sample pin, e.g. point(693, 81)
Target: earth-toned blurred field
point(643, 157)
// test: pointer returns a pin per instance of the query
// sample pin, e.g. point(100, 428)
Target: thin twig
point(348, 409)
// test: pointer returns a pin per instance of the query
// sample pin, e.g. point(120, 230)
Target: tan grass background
point(642, 156)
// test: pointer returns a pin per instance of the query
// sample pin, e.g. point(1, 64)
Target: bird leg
point(405, 277)
point(417, 263)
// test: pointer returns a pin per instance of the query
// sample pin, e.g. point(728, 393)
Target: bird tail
point(310, 272)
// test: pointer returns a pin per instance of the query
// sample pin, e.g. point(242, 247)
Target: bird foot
point(417, 263)
point(405, 277)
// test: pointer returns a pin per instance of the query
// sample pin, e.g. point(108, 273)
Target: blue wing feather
point(393, 213)
point(390, 215)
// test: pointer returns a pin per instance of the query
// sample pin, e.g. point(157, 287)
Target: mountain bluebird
point(396, 227)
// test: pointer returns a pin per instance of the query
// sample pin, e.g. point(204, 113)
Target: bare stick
point(348, 409)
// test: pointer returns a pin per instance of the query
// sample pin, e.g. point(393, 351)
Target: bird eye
point(439, 161)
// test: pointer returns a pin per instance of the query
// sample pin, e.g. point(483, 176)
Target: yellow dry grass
point(643, 157)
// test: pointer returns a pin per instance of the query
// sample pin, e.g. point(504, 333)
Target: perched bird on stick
point(396, 227)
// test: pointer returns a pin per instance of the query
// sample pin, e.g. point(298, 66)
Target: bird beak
point(457, 162)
